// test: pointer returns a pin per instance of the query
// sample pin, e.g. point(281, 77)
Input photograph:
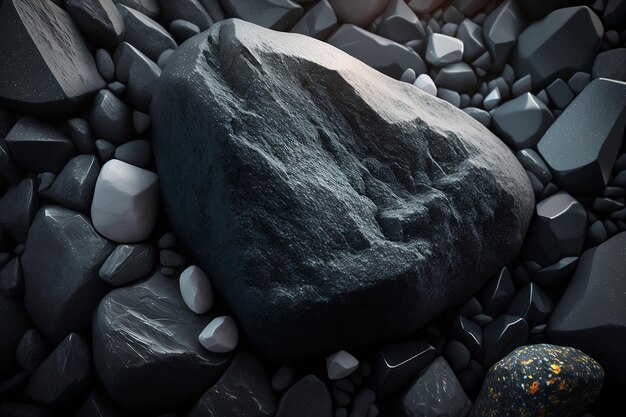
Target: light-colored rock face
point(325, 192)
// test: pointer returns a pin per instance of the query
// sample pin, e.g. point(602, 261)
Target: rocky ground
point(256, 223)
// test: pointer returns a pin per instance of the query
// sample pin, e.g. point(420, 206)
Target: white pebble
point(195, 287)
point(426, 84)
point(340, 365)
point(220, 336)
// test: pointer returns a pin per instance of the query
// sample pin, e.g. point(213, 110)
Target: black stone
point(74, 186)
point(128, 263)
point(13, 325)
point(555, 274)
point(141, 330)
point(60, 263)
point(400, 24)
point(97, 404)
point(536, 9)
point(318, 22)
point(148, 7)
point(80, 133)
point(46, 67)
point(39, 147)
point(190, 10)
point(99, 20)
point(309, 397)
point(470, 334)
point(10, 409)
point(145, 34)
point(11, 173)
point(13, 385)
point(363, 401)
point(610, 64)
point(397, 364)
point(501, 31)
point(110, 118)
point(11, 279)
point(591, 315)
point(17, 209)
point(497, 293)
point(32, 350)
point(502, 336)
point(405, 242)
point(273, 14)
point(457, 355)
point(243, 390)
point(532, 304)
point(64, 375)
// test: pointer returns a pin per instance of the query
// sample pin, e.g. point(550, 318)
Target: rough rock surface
point(144, 338)
point(322, 188)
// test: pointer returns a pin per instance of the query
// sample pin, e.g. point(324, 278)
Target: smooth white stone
point(220, 336)
point(340, 365)
point(426, 84)
point(196, 289)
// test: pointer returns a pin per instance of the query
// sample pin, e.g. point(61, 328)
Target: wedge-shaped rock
point(318, 22)
point(564, 42)
point(591, 315)
point(386, 56)
point(99, 20)
point(273, 14)
point(582, 145)
point(140, 330)
point(358, 12)
point(46, 67)
point(358, 201)
point(399, 23)
point(501, 30)
point(60, 263)
point(145, 34)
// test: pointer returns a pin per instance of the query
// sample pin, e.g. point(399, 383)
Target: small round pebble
point(340, 365)
point(196, 290)
point(220, 335)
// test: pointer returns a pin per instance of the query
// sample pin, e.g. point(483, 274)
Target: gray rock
point(99, 20)
point(492, 99)
point(502, 85)
point(532, 304)
point(243, 390)
point(189, 10)
point(581, 146)
point(457, 355)
point(142, 78)
point(32, 350)
point(142, 329)
point(53, 72)
point(283, 378)
point(482, 116)
point(104, 149)
point(425, 6)
point(579, 81)
point(214, 8)
point(443, 50)
point(363, 401)
point(472, 37)
point(470, 7)
point(408, 76)
point(537, 9)
point(450, 96)
point(522, 86)
point(73, 187)
point(424, 397)
point(591, 314)
point(12, 280)
point(145, 34)
point(318, 22)
point(141, 123)
point(97, 404)
point(501, 31)
point(182, 30)
point(105, 64)
point(117, 88)
point(14, 324)
point(17, 209)
point(558, 229)
point(497, 293)
point(458, 77)
point(110, 118)
point(452, 15)
point(38, 147)
point(136, 152)
point(540, 50)
point(64, 375)
point(610, 64)
point(560, 94)
point(309, 397)
point(386, 56)
point(148, 7)
point(503, 335)
point(470, 334)
point(128, 263)
point(522, 122)
point(376, 230)
point(272, 14)
point(80, 133)
point(60, 264)
point(556, 274)
point(167, 241)
point(533, 162)
point(400, 24)
point(358, 12)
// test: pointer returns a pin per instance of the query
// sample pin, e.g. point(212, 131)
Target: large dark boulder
point(331, 205)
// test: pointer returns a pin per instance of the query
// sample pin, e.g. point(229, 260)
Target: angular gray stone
point(458, 77)
point(358, 12)
point(521, 122)
point(46, 67)
point(128, 263)
point(492, 99)
point(424, 397)
point(382, 238)
point(182, 30)
point(482, 116)
point(104, 150)
point(32, 350)
point(136, 152)
point(425, 6)
point(522, 86)
point(532, 304)
point(140, 330)
point(105, 64)
point(189, 10)
point(309, 397)
point(533, 162)
point(610, 64)
point(558, 229)
point(145, 34)
point(397, 364)
point(501, 31)
point(555, 274)
point(12, 280)
point(564, 42)
point(502, 336)
point(80, 133)
point(443, 50)
point(582, 145)
point(591, 315)
point(472, 37)
point(560, 94)
point(143, 75)
point(470, 7)
point(497, 293)
point(243, 390)
point(450, 96)
point(318, 22)
point(470, 334)
point(73, 187)
point(14, 324)
point(17, 209)
point(60, 263)
point(110, 118)
point(99, 20)
point(37, 146)
point(148, 7)
point(400, 24)
point(214, 8)
point(64, 375)
point(580, 80)
point(386, 56)
point(272, 14)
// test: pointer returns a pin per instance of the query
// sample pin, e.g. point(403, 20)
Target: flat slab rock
point(332, 206)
